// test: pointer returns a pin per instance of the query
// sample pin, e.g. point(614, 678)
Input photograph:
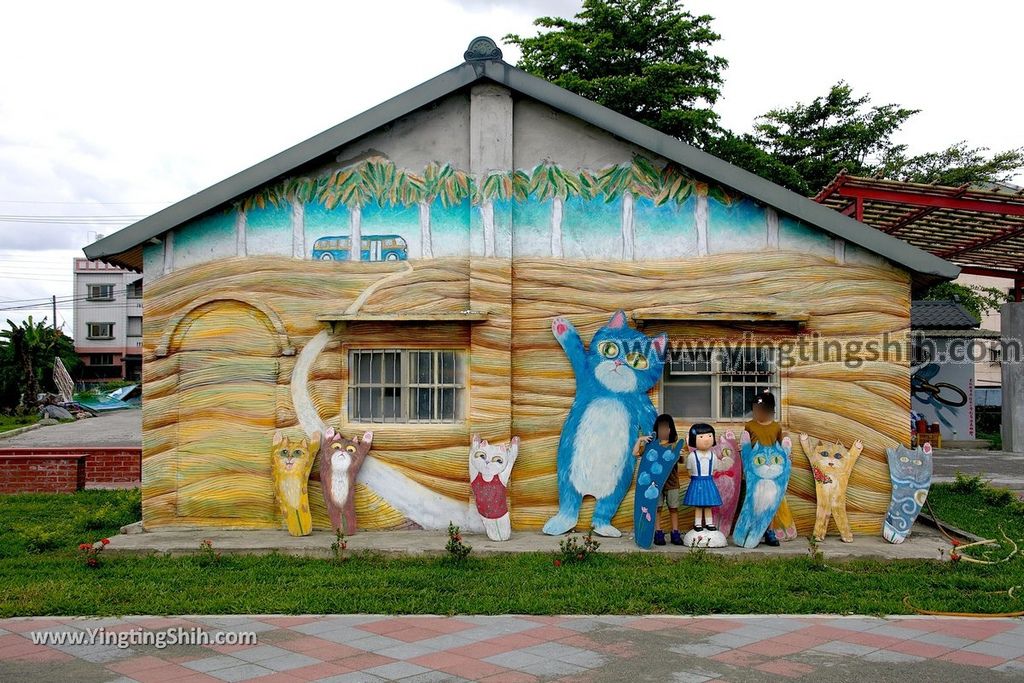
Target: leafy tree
point(743, 151)
point(955, 165)
point(837, 131)
point(977, 299)
point(27, 353)
point(647, 59)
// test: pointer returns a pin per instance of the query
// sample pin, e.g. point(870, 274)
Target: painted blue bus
point(374, 248)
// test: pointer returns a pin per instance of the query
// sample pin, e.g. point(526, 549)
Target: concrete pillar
point(490, 267)
point(1012, 328)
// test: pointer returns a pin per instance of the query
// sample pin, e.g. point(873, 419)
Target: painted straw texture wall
point(218, 380)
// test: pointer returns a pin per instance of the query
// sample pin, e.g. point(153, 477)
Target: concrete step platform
point(923, 544)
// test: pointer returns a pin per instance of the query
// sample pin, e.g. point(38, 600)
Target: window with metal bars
point(406, 385)
point(717, 383)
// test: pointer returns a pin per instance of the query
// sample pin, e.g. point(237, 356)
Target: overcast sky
point(116, 109)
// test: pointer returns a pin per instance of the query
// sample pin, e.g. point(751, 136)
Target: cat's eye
point(776, 460)
point(637, 360)
point(839, 456)
point(824, 454)
point(350, 448)
point(759, 460)
point(608, 349)
point(917, 462)
point(498, 460)
point(904, 458)
point(480, 454)
point(284, 453)
point(297, 453)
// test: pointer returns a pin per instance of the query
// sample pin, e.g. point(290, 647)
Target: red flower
point(558, 563)
point(84, 546)
point(954, 557)
point(954, 542)
point(105, 541)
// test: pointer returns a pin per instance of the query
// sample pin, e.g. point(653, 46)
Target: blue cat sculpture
point(911, 475)
point(766, 470)
point(595, 455)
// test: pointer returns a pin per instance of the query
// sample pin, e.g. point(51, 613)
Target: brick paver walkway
point(511, 649)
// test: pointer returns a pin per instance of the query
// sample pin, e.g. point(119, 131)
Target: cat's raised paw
point(560, 326)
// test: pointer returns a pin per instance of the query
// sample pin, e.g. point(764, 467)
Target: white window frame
point(407, 386)
point(90, 335)
point(91, 296)
point(718, 383)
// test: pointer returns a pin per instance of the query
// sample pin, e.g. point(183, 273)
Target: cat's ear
point(329, 434)
point(787, 445)
point(475, 442)
point(367, 438)
point(660, 344)
point(746, 437)
point(278, 438)
point(618, 320)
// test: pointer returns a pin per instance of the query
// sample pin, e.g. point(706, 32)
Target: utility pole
point(54, 299)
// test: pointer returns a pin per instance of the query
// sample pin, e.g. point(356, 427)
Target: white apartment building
point(108, 321)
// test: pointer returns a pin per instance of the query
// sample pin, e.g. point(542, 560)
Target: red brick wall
point(59, 468)
point(114, 465)
point(41, 473)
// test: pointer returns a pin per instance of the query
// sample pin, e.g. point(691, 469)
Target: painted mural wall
point(234, 349)
point(943, 392)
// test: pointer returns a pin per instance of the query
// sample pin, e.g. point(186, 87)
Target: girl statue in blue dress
point(701, 493)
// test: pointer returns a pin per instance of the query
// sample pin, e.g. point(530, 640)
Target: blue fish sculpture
point(911, 475)
point(656, 465)
point(595, 451)
point(766, 470)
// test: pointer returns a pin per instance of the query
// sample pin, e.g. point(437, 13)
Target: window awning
point(410, 317)
point(642, 316)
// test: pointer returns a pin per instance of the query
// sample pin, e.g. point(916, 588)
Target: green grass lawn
point(9, 422)
point(41, 573)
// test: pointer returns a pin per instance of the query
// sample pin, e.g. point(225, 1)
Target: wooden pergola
point(979, 229)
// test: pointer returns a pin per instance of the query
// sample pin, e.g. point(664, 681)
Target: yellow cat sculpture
point(291, 462)
point(831, 465)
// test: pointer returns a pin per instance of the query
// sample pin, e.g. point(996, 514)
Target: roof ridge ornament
point(482, 49)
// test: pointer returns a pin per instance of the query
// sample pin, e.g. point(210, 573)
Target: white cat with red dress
point(490, 467)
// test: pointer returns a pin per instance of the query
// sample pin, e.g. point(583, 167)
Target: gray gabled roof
point(115, 248)
point(939, 315)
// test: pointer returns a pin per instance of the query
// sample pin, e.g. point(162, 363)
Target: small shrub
point(571, 549)
point(814, 550)
point(90, 552)
point(457, 550)
point(339, 546)
point(965, 483)
point(207, 555)
point(39, 541)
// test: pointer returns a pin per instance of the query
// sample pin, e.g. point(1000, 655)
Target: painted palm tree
point(271, 195)
point(548, 181)
point(297, 192)
point(627, 181)
point(439, 182)
point(498, 185)
point(703, 191)
point(348, 186)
